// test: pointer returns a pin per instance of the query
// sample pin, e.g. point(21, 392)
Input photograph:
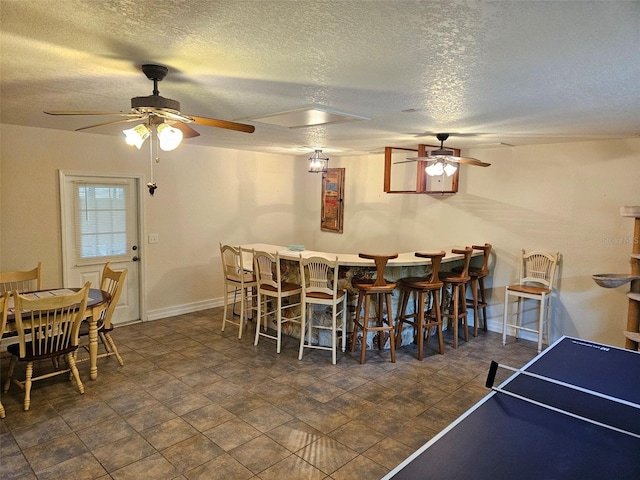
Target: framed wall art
point(332, 207)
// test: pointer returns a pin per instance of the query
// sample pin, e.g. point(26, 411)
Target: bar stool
point(427, 291)
point(456, 309)
point(478, 298)
point(382, 290)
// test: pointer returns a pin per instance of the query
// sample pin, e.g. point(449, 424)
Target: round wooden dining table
point(97, 303)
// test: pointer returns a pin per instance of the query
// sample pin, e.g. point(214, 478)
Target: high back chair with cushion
point(426, 304)
point(240, 279)
point(537, 272)
point(319, 278)
point(273, 291)
point(381, 290)
point(112, 281)
point(454, 307)
point(4, 305)
point(47, 328)
point(21, 281)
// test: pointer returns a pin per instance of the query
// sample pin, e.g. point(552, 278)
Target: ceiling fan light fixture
point(450, 169)
point(137, 135)
point(318, 163)
point(435, 169)
point(169, 137)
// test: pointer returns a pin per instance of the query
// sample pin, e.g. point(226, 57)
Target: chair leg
point(419, 326)
point(259, 322)
point(107, 340)
point(334, 336)
point(392, 344)
point(402, 312)
point(462, 290)
point(356, 324)
point(12, 366)
point(454, 315)
point(483, 302)
point(279, 324)
point(438, 315)
point(365, 329)
point(303, 319)
point(541, 317)
point(344, 324)
point(473, 284)
point(226, 305)
point(505, 314)
point(27, 386)
point(74, 371)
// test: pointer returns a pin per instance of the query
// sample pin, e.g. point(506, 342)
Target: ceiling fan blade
point(470, 161)
point(112, 122)
point(186, 130)
point(465, 160)
point(88, 112)
point(212, 122)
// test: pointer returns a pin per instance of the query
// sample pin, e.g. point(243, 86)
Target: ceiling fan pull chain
point(151, 185)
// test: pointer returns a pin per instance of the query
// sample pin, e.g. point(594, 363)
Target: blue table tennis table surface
point(503, 437)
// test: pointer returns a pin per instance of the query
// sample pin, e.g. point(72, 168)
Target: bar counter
point(352, 266)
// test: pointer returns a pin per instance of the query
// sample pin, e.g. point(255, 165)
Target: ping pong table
point(535, 426)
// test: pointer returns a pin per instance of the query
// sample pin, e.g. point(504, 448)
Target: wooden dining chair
point(21, 281)
point(112, 282)
point(4, 306)
point(47, 328)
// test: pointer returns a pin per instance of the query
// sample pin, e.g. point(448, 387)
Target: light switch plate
point(153, 238)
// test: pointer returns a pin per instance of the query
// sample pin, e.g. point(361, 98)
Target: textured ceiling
point(515, 72)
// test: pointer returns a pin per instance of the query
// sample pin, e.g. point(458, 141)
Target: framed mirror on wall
point(332, 207)
point(410, 176)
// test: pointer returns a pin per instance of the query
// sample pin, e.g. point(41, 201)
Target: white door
point(100, 223)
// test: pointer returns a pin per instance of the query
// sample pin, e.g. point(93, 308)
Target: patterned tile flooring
point(192, 402)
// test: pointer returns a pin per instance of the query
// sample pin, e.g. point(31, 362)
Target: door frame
point(139, 183)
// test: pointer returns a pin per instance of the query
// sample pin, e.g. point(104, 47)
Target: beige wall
point(558, 197)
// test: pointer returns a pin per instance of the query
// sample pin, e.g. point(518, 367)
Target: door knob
point(135, 259)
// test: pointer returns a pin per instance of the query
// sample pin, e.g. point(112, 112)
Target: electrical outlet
point(153, 238)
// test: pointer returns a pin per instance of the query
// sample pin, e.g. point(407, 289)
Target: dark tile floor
point(192, 402)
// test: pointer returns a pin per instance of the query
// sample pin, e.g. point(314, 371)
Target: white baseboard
point(186, 308)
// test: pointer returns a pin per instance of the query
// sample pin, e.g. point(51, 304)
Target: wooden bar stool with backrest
point(426, 308)
point(478, 298)
point(537, 273)
point(319, 279)
point(455, 310)
point(272, 287)
point(383, 290)
point(240, 279)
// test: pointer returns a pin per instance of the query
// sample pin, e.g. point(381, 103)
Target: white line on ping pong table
point(559, 410)
point(574, 387)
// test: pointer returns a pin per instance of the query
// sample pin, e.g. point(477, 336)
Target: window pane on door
point(100, 221)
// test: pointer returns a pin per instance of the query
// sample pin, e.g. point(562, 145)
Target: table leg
point(93, 342)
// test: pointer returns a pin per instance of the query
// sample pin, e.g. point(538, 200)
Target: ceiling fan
point(443, 155)
point(157, 110)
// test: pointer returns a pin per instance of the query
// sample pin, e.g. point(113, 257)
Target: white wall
point(563, 198)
